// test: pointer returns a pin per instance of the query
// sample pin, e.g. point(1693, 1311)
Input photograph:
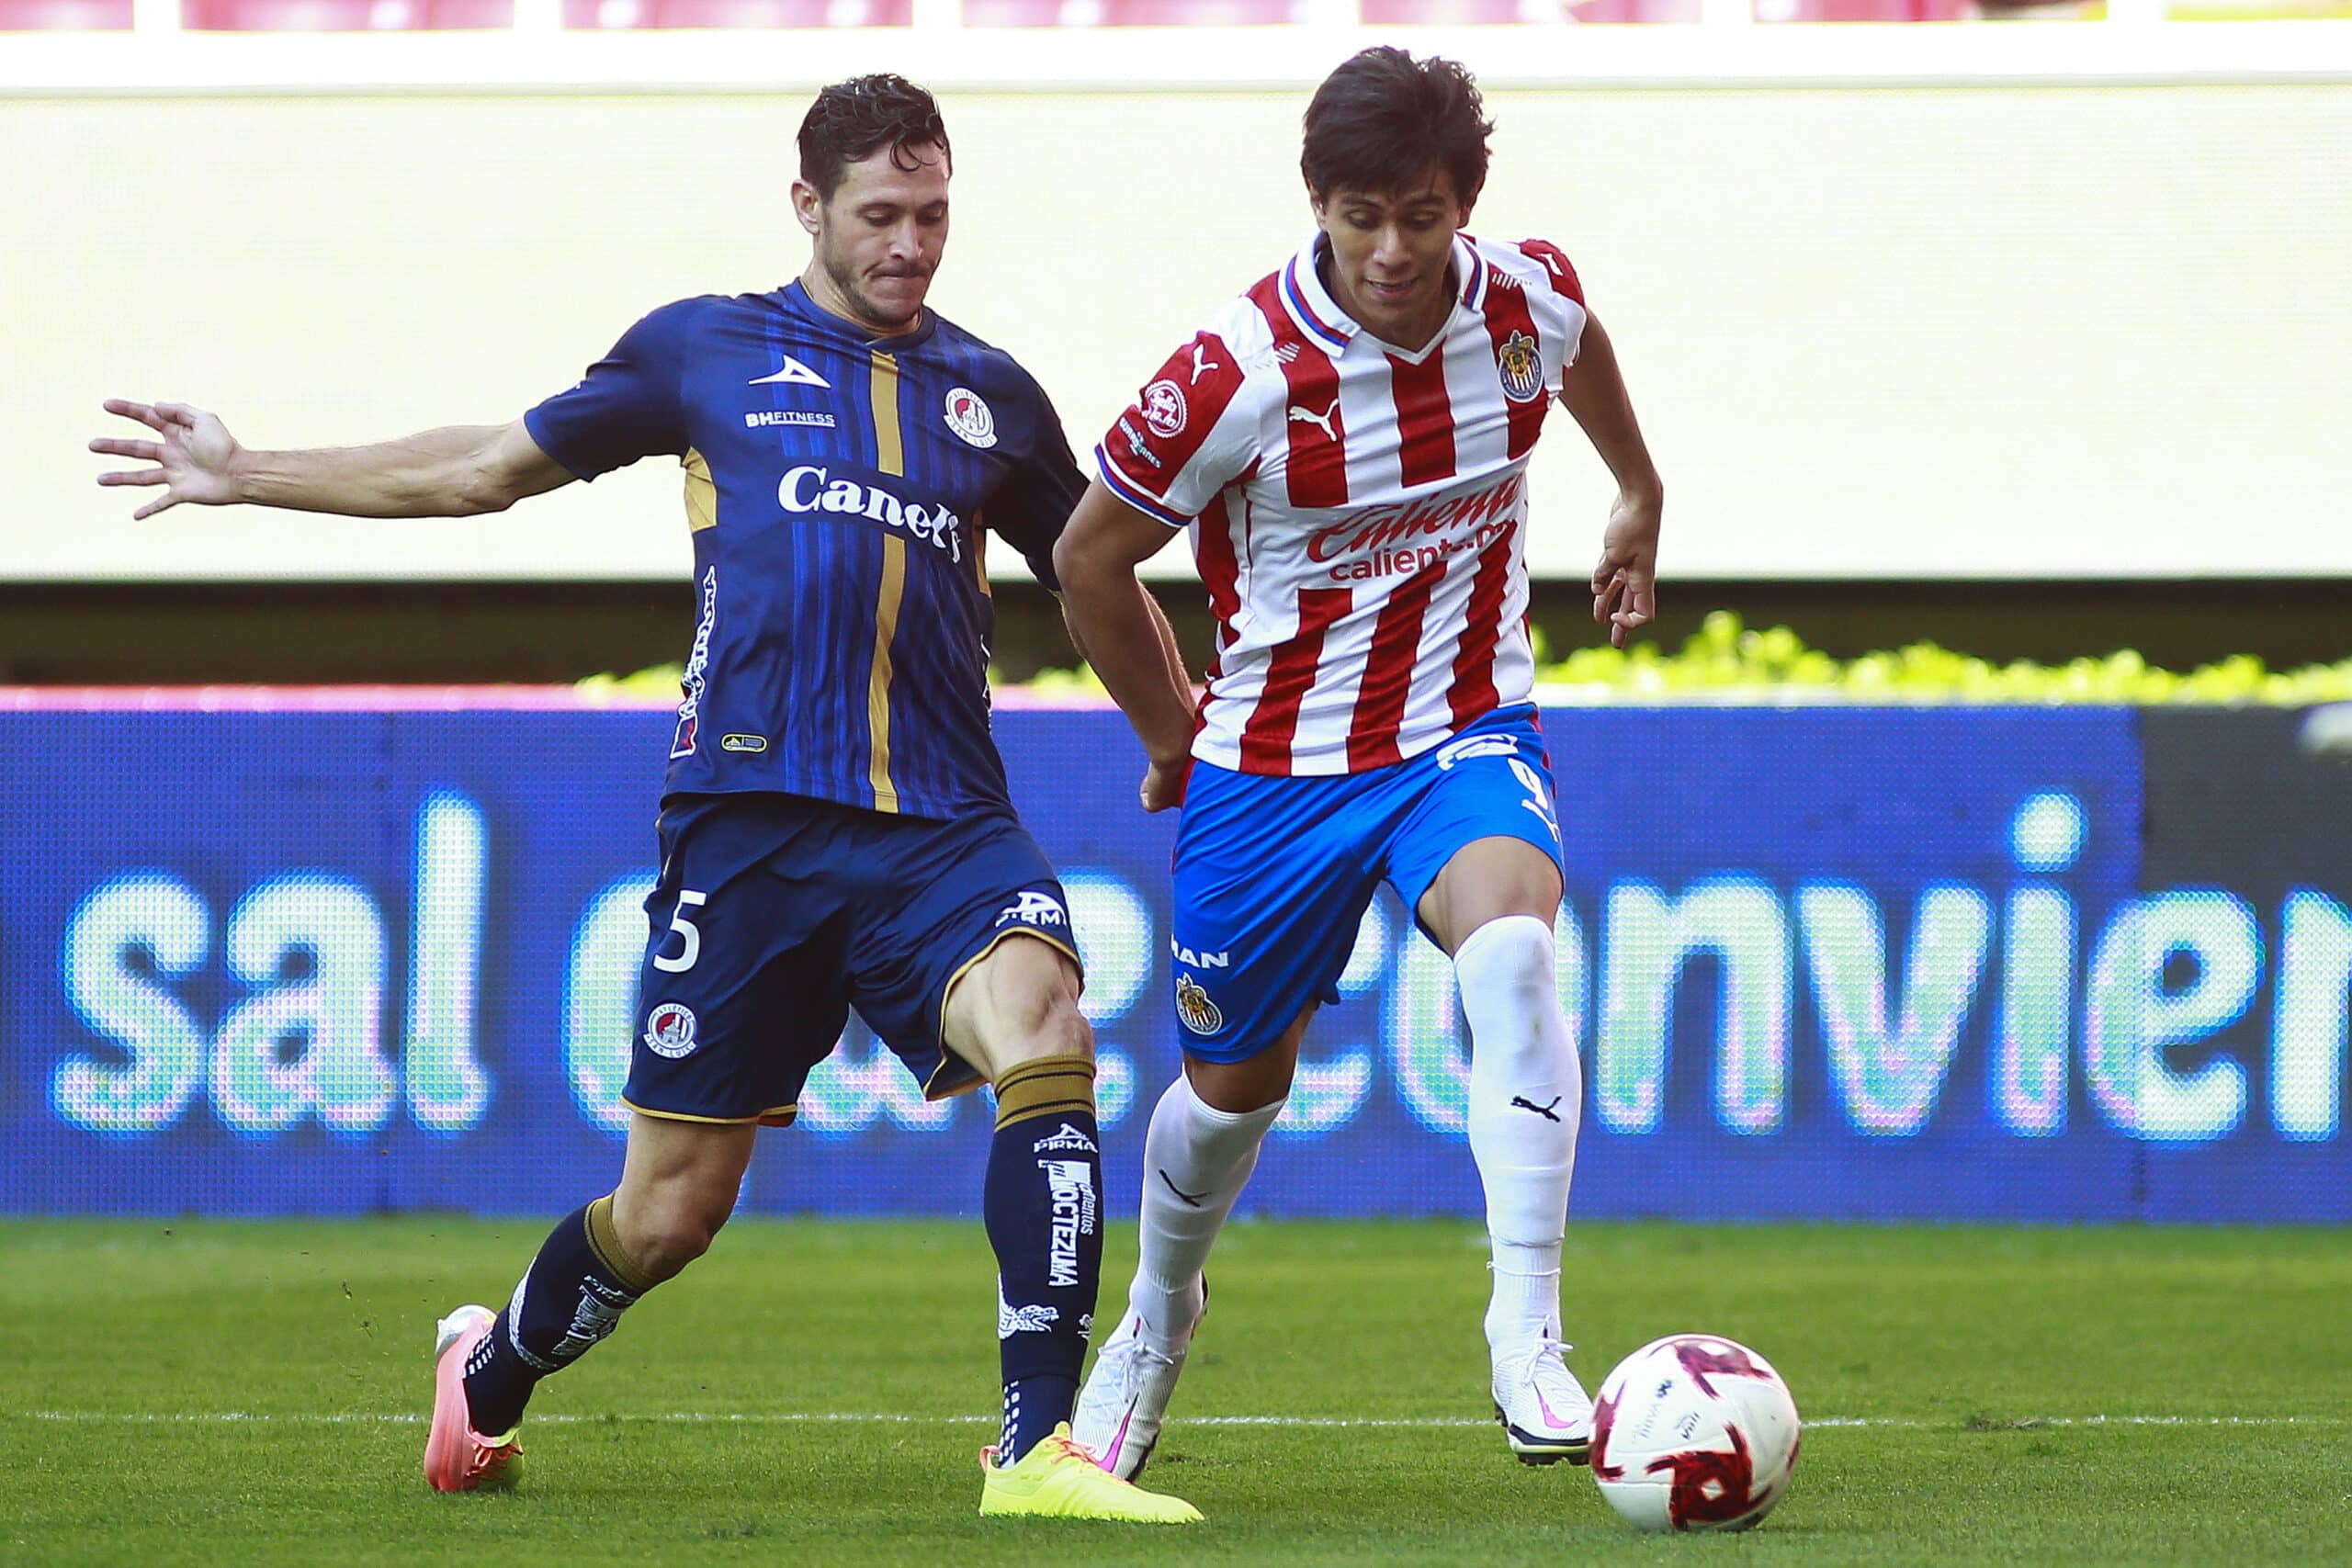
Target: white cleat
point(1545, 1412)
point(1125, 1397)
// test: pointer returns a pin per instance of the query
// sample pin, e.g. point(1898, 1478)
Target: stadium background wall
point(2047, 964)
point(2054, 330)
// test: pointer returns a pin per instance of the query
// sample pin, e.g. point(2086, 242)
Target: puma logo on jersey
point(794, 374)
point(1201, 363)
point(1321, 421)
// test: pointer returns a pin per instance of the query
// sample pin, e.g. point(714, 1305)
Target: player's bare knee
point(1240, 1088)
point(1018, 1005)
point(1026, 1024)
point(665, 1228)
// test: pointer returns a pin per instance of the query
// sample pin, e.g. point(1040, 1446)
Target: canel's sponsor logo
point(812, 488)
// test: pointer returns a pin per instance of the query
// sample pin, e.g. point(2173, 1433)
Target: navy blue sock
point(1043, 1208)
point(573, 1296)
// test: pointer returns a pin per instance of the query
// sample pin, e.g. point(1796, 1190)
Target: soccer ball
point(1694, 1432)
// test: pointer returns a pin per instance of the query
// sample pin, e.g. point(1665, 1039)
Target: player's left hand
point(196, 457)
point(1163, 783)
point(1624, 585)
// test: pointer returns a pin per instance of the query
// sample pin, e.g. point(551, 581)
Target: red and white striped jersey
point(1358, 513)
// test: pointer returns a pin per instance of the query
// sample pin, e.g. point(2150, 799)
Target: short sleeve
point(1559, 309)
point(1191, 432)
point(628, 405)
point(1029, 508)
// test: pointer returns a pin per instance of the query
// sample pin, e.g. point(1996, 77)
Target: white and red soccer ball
point(1694, 1432)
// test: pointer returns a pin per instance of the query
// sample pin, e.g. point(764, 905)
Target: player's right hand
point(195, 459)
point(1163, 783)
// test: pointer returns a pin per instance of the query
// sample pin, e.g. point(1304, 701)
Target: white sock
point(1526, 1100)
point(1196, 1159)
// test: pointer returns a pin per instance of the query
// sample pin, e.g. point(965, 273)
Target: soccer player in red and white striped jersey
point(1346, 444)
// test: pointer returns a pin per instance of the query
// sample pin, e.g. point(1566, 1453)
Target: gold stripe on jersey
point(889, 452)
point(773, 1116)
point(886, 629)
point(702, 495)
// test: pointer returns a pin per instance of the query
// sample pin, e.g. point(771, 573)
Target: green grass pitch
point(815, 1392)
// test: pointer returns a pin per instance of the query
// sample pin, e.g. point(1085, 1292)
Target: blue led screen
point(1837, 963)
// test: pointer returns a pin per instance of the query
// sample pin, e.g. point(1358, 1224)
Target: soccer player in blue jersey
point(835, 828)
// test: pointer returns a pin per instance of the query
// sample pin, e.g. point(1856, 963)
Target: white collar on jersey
point(1318, 315)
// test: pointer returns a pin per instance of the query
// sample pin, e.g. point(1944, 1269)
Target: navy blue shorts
point(776, 914)
point(1274, 873)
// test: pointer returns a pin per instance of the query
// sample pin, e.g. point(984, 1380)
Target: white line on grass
point(801, 1417)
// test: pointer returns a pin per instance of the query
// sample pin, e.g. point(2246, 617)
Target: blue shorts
point(776, 914)
point(1273, 873)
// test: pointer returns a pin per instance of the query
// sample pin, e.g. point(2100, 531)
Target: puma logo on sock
point(1522, 1101)
point(1191, 1201)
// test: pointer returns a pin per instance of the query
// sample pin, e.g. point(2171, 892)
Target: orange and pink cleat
point(457, 1458)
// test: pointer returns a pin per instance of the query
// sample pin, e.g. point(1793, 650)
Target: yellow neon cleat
point(1059, 1479)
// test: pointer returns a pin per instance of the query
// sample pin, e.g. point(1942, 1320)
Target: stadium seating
point(1864, 10)
point(344, 16)
point(1471, 13)
point(1132, 13)
point(64, 16)
point(737, 13)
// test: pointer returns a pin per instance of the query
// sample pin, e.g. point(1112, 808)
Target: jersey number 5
point(687, 900)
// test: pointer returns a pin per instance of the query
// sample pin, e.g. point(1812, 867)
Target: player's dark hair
point(1383, 119)
point(857, 118)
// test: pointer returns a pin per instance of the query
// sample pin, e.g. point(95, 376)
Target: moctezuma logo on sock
point(1071, 1182)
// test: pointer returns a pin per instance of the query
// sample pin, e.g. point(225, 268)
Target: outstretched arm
point(1118, 627)
point(458, 471)
point(1624, 585)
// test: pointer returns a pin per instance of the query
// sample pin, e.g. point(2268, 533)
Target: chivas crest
point(1192, 1005)
point(1522, 369)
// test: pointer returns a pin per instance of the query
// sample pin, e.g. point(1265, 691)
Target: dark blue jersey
point(839, 488)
